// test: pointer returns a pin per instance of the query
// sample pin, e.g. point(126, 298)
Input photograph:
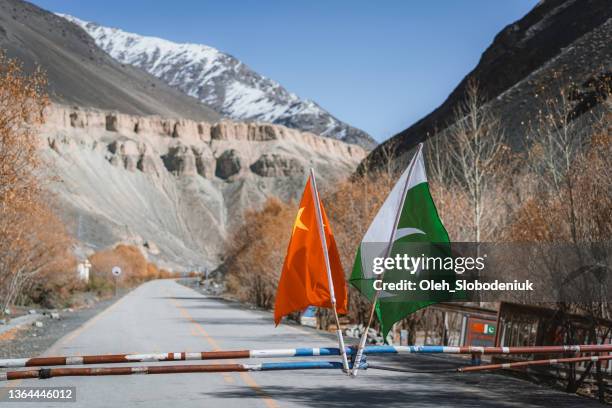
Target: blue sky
point(379, 66)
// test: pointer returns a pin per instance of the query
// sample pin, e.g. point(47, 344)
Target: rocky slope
point(557, 41)
point(221, 81)
point(81, 73)
point(175, 186)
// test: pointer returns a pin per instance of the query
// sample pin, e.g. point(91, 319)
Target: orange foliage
point(134, 266)
point(165, 274)
point(530, 224)
point(582, 205)
point(256, 251)
point(34, 245)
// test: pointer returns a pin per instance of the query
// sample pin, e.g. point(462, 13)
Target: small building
point(83, 270)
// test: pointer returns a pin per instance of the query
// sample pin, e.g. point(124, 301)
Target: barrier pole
point(44, 373)
point(294, 352)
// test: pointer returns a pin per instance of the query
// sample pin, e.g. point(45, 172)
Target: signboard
point(116, 271)
point(481, 332)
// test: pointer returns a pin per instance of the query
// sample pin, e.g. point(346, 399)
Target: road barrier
point(528, 363)
point(296, 352)
point(44, 373)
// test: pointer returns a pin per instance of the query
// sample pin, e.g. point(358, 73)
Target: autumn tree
point(31, 236)
point(255, 252)
point(570, 161)
point(476, 154)
point(452, 201)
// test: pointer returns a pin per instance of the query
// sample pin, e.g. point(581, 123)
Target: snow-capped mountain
point(220, 81)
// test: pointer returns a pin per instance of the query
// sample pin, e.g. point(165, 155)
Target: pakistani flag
point(419, 233)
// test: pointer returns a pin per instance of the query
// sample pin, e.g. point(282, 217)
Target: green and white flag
point(419, 233)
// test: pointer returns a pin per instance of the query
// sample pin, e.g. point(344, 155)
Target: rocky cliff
point(557, 41)
point(175, 186)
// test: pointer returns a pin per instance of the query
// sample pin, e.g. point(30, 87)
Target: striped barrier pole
point(583, 348)
point(296, 352)
point(44, 373)
point(533, 363)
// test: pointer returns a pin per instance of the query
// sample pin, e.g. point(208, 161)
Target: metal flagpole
point(332, 295)
point(364, 337)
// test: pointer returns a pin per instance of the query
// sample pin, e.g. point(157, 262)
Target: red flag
point(304, 281)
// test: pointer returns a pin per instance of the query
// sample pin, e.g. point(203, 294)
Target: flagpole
point(364, 337)
point(332, 294)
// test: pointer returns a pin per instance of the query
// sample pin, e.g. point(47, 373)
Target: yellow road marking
point(196, 329)
point(246, 377)
point(74, 334)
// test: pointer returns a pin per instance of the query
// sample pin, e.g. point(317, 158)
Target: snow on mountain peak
point(220, 81)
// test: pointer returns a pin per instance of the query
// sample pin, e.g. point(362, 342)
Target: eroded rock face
point(276, 165)
point(180, 161)
point(124, 153)
point(205, 161)
point(112, 123)
point(254, 132)
point(169, 181)
point(120, 122)
point(77, 120)
point(147, 164)
point(57, 142)
point(228, 164)
point(148, 161)
point(183, 147)
point(191, 132)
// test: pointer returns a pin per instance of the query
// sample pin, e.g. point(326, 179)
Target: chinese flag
point(303, 281)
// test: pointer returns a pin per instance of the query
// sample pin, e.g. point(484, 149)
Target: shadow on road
point(388, 391)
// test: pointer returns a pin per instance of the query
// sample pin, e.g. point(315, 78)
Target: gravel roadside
point(32, 341)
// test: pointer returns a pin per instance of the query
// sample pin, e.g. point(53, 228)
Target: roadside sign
point(116, 271)
point(483, 328)
point(481, 332)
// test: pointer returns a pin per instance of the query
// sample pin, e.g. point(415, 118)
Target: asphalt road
point(163, 316)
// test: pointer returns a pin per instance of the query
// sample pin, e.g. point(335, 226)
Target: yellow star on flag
point(298, 221)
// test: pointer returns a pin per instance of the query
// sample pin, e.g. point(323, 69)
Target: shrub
point(256, 251)
point(134, 266)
